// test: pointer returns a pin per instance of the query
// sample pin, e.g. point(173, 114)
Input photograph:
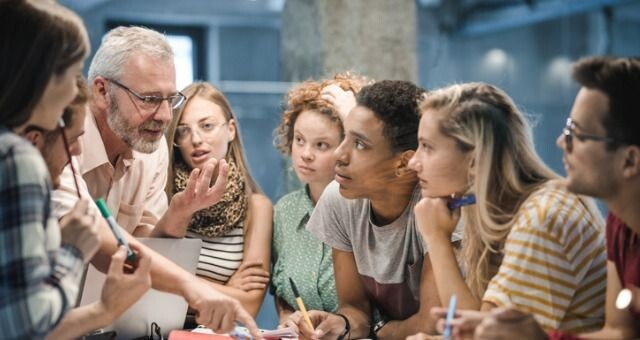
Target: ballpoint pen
point(454, 203)
point(450, 313)
point(115, 228)
point(303, 310)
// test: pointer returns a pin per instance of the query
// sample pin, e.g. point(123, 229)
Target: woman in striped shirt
point(236, 231)
point(528, 242)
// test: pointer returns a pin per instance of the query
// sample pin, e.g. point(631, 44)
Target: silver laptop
point(166, 310)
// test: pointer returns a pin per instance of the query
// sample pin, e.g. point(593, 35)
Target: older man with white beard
point(133, 92)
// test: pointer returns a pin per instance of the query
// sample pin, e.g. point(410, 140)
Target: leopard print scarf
point(228, 213)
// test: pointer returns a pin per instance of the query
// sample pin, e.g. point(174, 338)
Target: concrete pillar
point(376, 38)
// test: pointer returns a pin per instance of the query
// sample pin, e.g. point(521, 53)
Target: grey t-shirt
point(389, 257)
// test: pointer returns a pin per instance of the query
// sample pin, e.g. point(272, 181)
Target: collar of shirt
point(306, 208)
point(96, 155)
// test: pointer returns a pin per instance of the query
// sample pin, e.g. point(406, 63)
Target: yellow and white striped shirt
point(554, 263)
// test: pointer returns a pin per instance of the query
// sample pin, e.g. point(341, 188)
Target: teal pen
point(115, 228)
point(450, 313)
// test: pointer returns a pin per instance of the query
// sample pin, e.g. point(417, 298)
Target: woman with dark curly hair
point(309, 132)
point(382, 271)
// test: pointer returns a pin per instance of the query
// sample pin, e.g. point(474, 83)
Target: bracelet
point(378, 326)
point(347, 328)
point(375, 328)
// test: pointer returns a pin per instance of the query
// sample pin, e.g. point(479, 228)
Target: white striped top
point(220, 256)
point(554, 263)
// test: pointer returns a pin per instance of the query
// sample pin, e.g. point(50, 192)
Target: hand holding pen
point(301, 323)
point(326, 325)
point(301, 306)
point(78, 229)
point(462, 324)
point(499, 323)
point(458, 202)
point(451, 311)
point(115, 229)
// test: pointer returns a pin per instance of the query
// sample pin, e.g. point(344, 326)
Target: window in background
point(188, 47)
point(182, 46)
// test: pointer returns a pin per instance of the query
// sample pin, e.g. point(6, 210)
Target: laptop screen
point(166, 310)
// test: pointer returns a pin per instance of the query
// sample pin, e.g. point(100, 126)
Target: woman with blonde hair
point(528, 242)
point(236, 231)
point(309, 132)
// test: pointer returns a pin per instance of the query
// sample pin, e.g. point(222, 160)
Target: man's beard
point(131, 135)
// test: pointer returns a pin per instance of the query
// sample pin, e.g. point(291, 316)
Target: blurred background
point(254, 50)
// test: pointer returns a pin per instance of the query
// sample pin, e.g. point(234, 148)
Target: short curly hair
point(395, 102)
point(306, 96)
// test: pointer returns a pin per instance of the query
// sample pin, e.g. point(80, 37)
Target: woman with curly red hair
point(309, 132)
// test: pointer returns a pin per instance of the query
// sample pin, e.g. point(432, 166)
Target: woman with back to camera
point(43, 46)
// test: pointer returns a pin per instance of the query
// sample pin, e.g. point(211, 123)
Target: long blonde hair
point(485, 121)
point(236, 150)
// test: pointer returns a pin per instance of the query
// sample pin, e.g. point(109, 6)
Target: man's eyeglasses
point(569, 132)
point(204, 129)
point(152, 103)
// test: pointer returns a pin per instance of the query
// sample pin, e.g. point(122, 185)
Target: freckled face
point(315, 139)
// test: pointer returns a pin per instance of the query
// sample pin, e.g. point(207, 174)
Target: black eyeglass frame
point(153, 99)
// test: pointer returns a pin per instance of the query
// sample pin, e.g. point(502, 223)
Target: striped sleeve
point(554, 262)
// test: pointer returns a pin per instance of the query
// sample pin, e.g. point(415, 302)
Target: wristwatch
point(347, 328)
point(377, 327)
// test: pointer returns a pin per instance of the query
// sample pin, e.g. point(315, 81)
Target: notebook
point(166, 310)
point(239, 333)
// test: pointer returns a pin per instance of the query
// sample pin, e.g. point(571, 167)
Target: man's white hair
point(120, 43)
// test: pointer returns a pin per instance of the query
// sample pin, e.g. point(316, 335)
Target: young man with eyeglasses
point(133, 92)
point(601, 147)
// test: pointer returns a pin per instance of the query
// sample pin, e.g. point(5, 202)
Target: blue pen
point(455, 203)
point(450, 313)
point(240, 333)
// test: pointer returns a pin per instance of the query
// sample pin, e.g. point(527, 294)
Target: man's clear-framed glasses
point(569, 133)
point(152, 103)
point(204, 129)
